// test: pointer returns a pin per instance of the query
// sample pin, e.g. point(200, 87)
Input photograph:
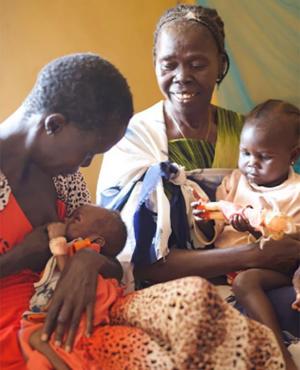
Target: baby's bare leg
point(249, 288)
point(46, 350)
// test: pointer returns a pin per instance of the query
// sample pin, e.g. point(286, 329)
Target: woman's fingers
point(296, 305)
point(198, 214)
point(73, 329)
point(74, 324)
point(63, 322)
point(50, 322)
point(89, 319)
point(198, 211)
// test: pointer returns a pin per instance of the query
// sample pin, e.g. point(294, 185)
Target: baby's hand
point(296, 303)
point(296, 283)
point(240, 223)
point(56, 229)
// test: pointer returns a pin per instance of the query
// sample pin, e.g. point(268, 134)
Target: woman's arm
point(32, 253)
point(215, 262)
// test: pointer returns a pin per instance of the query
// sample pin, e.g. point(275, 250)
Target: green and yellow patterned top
point(192, 153)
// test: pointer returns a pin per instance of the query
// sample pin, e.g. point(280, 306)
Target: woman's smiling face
point(187, 65)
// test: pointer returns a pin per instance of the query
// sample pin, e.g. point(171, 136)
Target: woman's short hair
point(87, 89)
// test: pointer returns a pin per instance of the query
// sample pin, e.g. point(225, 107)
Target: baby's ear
point(100, 240)
point(107, 249)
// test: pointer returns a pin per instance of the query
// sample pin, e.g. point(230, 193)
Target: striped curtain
point(262, 39)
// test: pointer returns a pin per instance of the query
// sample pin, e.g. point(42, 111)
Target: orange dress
point(16, 290)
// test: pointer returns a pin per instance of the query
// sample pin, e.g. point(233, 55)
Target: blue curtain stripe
point(262, 40)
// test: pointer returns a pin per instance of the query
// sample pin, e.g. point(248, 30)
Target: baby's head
point(100, 225)
point(270, 142)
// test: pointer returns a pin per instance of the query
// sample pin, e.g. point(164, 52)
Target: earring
point(226, 68)
point(219, 79)
point(221, 76)
point(292, 163)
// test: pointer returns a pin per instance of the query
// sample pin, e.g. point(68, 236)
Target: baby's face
point(265, 157)
point(83, 222)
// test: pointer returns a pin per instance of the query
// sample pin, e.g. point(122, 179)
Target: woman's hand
point(200, 214)
point(32, 253)
point(296, 284)
point(276, 254)
point(205, 226)
point(296, 303)
point(74, 295)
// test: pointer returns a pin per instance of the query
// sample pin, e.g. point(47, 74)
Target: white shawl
point(144, 145)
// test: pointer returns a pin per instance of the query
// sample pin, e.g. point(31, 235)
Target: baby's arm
point(224, 211)
point(233, 213)
point(56, 233)
point(258, 222)
point(296, 283)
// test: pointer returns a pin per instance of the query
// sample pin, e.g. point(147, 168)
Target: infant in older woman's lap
point(269, 145)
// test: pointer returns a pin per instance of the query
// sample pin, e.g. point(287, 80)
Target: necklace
point(176, 124)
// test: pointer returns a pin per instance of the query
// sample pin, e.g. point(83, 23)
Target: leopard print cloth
point(4, 191)
point(71, 189)
point(180, 325)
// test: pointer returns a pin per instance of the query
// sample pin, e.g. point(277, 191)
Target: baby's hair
point(277, 106)
point(87, 89)
point(195, 13)
point(114, 231)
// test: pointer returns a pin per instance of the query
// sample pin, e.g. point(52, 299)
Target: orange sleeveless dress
point(16, 290)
